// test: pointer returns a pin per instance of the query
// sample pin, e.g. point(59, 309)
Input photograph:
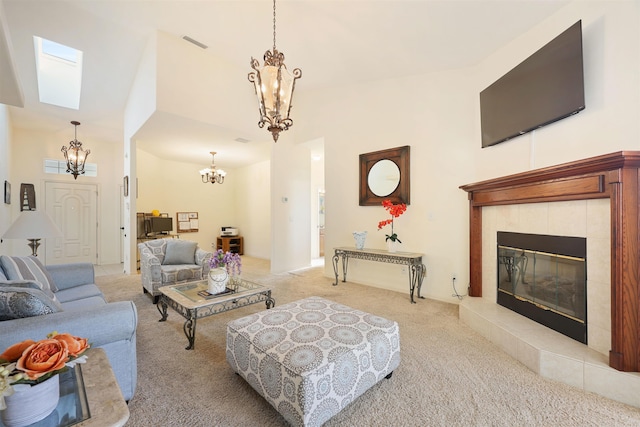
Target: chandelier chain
point(274, 26)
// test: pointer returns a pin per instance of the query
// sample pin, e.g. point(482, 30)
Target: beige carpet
point(448, 375)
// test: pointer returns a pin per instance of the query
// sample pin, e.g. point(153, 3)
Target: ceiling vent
point(196, 42)
point(243, 140)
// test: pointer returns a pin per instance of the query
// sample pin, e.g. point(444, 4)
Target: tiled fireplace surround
point(580, 199)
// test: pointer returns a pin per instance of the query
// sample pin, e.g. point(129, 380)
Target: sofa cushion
point(79, 304)
point(180, 252)
point(77, 293)
point(2, 276)
point(29, 268)
point(180, 273)
point(18, 302)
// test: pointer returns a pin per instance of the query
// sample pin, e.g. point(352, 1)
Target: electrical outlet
point(403, 270)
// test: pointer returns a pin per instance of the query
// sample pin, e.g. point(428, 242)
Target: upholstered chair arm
point(150, 270)
point(202, 258)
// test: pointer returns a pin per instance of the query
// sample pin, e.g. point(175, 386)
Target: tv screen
point(161, 224)
point(545, 87)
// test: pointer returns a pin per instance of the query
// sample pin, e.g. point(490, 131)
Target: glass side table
point(73, 407)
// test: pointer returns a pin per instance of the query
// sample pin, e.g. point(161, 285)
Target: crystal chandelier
point(212, 174)
point(75, 155)
point(274, 86)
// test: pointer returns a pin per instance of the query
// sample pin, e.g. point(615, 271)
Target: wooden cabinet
point(233, 244)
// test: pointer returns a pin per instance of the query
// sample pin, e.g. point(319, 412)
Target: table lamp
point(33, 226)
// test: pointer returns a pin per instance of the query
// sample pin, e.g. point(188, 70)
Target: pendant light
point(274, 86)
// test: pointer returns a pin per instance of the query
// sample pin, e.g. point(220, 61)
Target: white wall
point(241, 201)
point(201, 93)
point(316, 187)
point(6, 216)
point(438, 116)
point(609, 123)
point(290, 204)
point(29, 148)
point(428, 114)
point(172, 187)
point(140, 106)
point(10, 87)
point(195, 84)
point(252, 203)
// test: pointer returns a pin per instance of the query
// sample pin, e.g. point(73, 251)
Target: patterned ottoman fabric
point(312, 357)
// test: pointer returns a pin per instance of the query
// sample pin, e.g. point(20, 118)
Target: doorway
point(321, 224)
point(317, 202)
point(122, 235)
point(73, 208)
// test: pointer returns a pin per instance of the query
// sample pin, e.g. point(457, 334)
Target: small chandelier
point(75, 155)
point(274, 86)
point(212, 174)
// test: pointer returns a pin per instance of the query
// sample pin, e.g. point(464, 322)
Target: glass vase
point(360, 237)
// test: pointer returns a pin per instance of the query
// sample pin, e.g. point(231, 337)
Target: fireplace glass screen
point(554, 282)
point(544, 278)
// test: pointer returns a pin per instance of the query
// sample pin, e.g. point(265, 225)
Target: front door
point(73, 208)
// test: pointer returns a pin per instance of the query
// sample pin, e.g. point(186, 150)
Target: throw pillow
point(20, 284)
point(18, 302)
point(180, 252)
point(29, 268)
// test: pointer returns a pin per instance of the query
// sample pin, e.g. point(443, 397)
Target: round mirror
point(383, 178)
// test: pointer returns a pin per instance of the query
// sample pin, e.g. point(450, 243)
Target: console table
point(417, 269)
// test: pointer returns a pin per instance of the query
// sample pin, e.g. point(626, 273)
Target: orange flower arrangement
point(395, 211)
point(32, 362)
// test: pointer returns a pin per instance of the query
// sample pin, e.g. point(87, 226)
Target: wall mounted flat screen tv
point(161, 224)
point(545, 87)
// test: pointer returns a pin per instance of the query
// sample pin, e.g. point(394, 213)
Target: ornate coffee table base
point(210, 307)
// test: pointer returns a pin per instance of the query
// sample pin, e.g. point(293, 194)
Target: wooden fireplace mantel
point(615, 176)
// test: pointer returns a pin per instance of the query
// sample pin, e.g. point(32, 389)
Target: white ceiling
point(333, 42)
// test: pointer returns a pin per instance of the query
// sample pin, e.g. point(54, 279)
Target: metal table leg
point(270, 302)
point(162, 308)
point(335, 267)
point(190, 329)
point(345, 264)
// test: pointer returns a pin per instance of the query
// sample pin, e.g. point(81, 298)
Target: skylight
point(59, 71)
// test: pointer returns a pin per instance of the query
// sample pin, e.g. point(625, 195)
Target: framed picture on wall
point(7, 192)
point(27, 197)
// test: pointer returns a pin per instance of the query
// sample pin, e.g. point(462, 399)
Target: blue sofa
point(36, 300)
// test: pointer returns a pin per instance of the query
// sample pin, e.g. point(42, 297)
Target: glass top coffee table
point(193, 302)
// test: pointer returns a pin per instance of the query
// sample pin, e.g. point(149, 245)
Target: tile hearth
point(549, 353)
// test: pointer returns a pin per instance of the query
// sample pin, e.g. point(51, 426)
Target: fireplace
point(614, 176)
point(544, 278)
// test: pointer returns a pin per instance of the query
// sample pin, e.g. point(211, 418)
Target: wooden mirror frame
point(400, 156)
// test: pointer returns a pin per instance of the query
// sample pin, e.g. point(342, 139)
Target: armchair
point(165, 262)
